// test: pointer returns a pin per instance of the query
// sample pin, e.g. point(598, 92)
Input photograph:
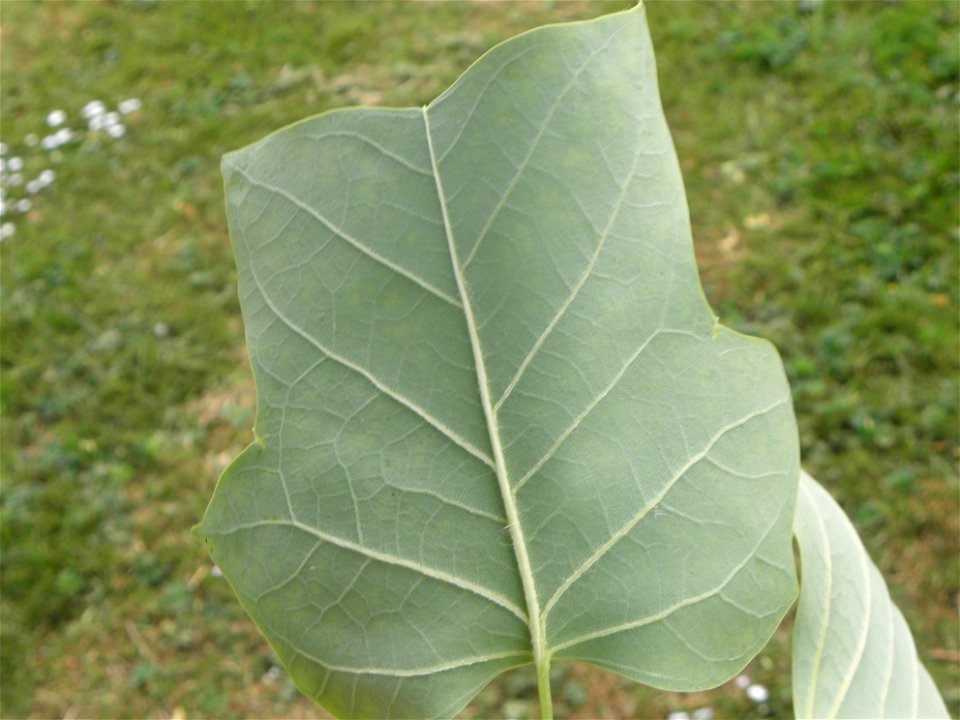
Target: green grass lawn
point(820, 152)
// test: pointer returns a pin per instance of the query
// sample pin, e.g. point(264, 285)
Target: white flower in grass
point(95, 124)
point(8, 229)
point(93, 109)
point(742, 682)
point(758, 693)
point(130, 105)
point(116, 131)
point(60, 137)
point(56, 118)
point(24, 205)
point(3, 208)
point(271, 675)
point(111, 118)
point(15, 179)
point(47, 177)
point(704, 713)
point(678, 715)
point(15, 164)
point(33, 187)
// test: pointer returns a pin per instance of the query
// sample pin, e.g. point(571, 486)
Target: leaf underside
point(853, 654)
point(497, 421)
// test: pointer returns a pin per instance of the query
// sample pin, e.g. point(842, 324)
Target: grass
point(820, 155)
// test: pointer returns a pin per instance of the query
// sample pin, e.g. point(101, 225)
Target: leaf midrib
point(525, 570)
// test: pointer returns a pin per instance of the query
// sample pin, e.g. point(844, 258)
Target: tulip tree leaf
point(853, 654)
point(497, 421)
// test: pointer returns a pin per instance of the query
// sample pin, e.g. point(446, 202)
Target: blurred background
point(819, 144)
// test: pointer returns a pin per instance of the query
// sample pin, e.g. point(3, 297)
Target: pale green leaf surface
point(853, 654)
point(497, 421)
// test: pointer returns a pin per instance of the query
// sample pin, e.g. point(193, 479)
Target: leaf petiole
point(543, 688)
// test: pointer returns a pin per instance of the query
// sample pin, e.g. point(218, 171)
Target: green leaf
point(498, 423)
point(853, 654)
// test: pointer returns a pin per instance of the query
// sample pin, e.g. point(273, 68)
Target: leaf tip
point(198, 534)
